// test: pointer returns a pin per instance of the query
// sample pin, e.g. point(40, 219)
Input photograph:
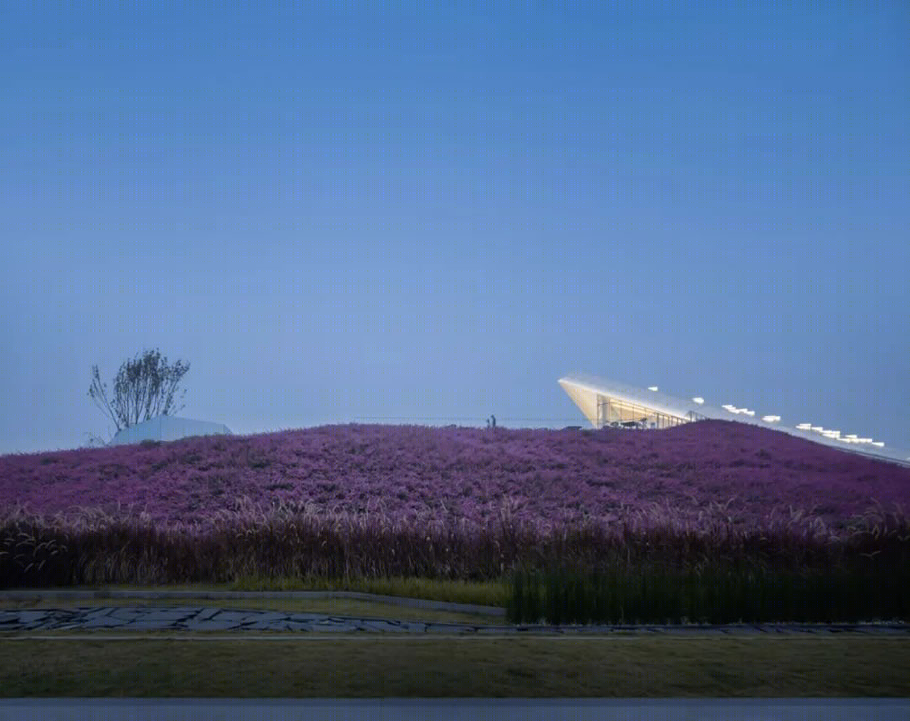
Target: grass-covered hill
point(712, 520)
point(412, 473)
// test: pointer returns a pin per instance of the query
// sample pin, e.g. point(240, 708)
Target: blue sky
point(433, 211)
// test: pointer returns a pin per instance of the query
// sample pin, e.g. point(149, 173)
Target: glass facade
point(623, 414)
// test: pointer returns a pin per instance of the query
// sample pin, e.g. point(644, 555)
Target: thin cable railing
point(473, 419)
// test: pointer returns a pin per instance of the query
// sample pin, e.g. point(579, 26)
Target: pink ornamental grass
point(689, 475)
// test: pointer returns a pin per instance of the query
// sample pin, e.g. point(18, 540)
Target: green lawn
point(484, 593)
point(425, 667)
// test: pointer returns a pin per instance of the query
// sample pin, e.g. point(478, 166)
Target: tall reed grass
point(651, 567)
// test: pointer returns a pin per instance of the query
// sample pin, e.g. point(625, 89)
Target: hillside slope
point(409, 472)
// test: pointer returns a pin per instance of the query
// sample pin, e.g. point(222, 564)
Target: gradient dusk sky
point(397, 212)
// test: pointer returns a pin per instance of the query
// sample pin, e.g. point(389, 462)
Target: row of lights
point(834, 435)
point(849, 438)
point(737, 411)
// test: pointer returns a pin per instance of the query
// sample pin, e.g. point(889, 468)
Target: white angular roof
point(584, 388)
point(167, 428)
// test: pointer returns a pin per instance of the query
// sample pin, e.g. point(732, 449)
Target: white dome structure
point(167, 428)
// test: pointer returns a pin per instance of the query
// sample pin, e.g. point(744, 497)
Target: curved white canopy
point(167, 428)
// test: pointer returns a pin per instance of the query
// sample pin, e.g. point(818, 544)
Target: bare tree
point(144, 388)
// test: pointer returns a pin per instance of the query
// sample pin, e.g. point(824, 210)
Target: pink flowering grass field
point(419, 473)
point(370, 501)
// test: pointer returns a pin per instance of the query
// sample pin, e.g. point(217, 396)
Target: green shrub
point(655, 594)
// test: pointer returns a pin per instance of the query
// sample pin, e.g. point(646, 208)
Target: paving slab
point(265, 616)
point(146, 625)
point(209, 625)
point(234, 616)
point(170, 612)
point(127, 613)
point(300, 627)
point(271, 625)
point(414, 626)
point(448, 628)
point(205, 613)
point(104, 622)
point(334, 627)
point(382, 626)
point(99, 612)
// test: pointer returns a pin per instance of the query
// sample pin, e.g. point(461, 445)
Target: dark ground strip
point(195, 618)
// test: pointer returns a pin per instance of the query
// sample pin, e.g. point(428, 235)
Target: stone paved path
point(197, 618)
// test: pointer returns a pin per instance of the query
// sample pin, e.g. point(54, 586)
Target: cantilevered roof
point(584, 389)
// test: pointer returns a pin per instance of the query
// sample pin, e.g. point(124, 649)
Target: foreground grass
point(484, 593)
point(329, 606)
point(529, 667)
